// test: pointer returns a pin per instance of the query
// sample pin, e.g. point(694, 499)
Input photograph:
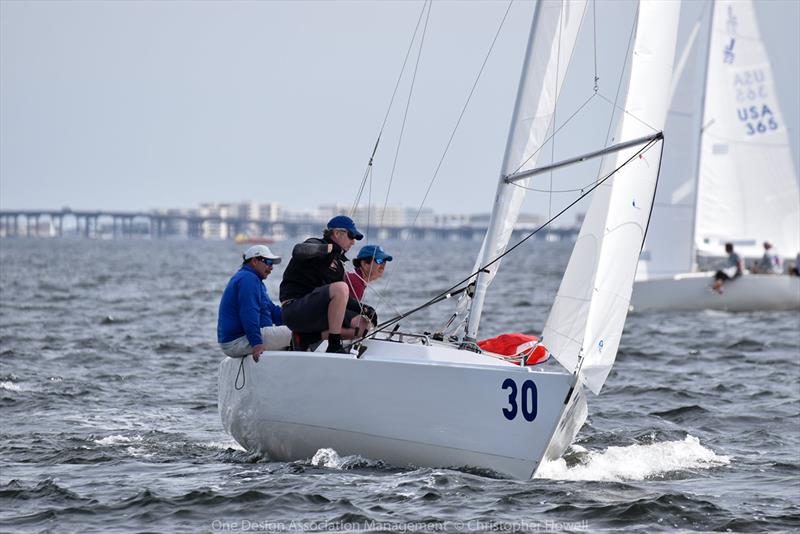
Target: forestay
point(747, 187)
point(585, 323)
point(552, 40)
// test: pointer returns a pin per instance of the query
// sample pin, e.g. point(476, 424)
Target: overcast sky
point(139, 105)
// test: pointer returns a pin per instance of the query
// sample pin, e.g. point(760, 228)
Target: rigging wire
point(628, 113)
point(405, 113)
point(455, 129)
point(463, 110)
point(594, 43)
point(388, 110)
point(621, 77)
point(444, 295)
point(547, 140)
point(576, 190)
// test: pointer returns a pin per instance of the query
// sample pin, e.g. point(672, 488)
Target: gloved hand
point(370, 313)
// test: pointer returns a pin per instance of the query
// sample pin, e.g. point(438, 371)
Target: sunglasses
point(379, 261)
point(350, 235)
point(266, 261)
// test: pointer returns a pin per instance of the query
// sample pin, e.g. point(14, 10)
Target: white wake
point(635, 462)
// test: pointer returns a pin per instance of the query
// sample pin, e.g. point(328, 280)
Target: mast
point(498, 213)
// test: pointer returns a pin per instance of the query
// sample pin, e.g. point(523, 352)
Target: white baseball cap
point(261, 251)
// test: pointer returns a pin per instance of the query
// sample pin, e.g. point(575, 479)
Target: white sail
point(585, 323)
point(747, 187)
point(552, 40)
point(669, 248)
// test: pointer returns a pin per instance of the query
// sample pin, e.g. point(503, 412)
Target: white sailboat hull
point(428, 406)
point(692, 291)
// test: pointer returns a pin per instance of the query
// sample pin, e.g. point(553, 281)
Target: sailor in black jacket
point(313, 292)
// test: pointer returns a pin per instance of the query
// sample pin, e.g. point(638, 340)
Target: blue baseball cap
point(375, 252)
point(345, 223)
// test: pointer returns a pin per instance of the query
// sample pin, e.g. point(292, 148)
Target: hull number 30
point(526, 402)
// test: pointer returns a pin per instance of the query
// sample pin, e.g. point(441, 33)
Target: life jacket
point(513, 346)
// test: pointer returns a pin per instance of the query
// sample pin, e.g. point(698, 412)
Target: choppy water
point(108, 367)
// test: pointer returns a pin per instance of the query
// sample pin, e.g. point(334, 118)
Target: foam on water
point(118, 439)
point(330, 459)
point(327, 458)
point(10, 386)
point(223, 445)
point(139, 452)
point(635, 462)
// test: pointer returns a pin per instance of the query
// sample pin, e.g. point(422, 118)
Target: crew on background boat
point(249, 322)
point(369, 266)
point(795, 271)
point(770, 262)
point(314, 294)
point(732, 269)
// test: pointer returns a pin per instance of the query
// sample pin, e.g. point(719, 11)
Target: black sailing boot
point(335, 344)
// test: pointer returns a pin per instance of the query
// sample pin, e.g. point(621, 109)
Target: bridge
point(155, 225)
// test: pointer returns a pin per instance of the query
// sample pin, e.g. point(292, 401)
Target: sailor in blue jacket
point(249, 322)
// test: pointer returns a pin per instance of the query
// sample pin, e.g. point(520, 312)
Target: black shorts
point(310, 313)
point(721, 276)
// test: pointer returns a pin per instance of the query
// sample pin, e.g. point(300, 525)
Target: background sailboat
point(410, 399)
point(728, 174)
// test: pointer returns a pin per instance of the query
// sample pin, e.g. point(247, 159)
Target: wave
point(330, 459)
point(10, 386)
point(634, 462)
point(682, 413)
point(223, 445)
point(118, 439)
point(44, 489)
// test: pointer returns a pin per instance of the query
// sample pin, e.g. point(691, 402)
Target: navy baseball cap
point(375, 252)
point(345, 223)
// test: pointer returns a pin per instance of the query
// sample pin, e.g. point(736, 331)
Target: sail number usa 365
point(521, 400)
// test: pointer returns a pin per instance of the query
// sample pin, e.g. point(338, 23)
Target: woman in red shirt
point(369, 266)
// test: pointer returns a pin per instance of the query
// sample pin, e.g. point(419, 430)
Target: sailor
point(249, 322)
point(770, 262)
point(369, 266)
point(314, 294)
point(731, 270)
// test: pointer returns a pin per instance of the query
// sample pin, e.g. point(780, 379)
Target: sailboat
point(423, 400)
point(727, 176)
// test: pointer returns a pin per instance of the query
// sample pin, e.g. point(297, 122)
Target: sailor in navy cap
point(369, 266)
point(314, 292)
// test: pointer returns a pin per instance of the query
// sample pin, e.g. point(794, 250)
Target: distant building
point(452, 220)
point(270, 211)
point(215, 227)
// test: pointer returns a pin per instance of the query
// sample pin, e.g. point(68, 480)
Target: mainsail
point(585, 323)
point(727, 174)
point(747, 187)
point(551, 43)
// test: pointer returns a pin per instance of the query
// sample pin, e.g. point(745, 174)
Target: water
point(108, 368)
